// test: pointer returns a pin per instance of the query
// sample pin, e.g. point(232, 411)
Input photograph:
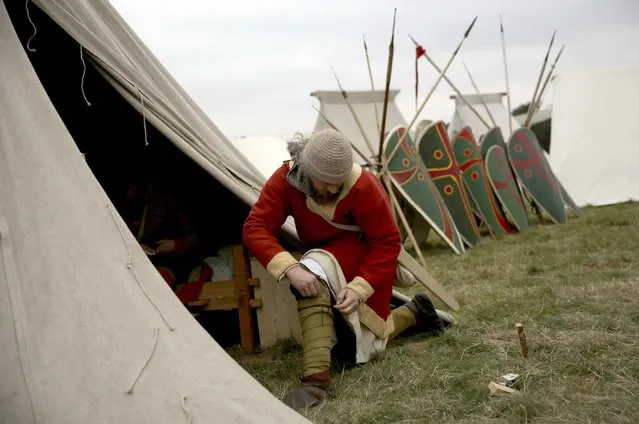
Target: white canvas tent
point(595, 149)
point(266, 153)
point(464, 116)
point(84, 317)
point(334, 108)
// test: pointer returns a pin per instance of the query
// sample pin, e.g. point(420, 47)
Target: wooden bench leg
point(243, 294)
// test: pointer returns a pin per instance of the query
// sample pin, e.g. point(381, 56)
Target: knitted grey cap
point(328, 157)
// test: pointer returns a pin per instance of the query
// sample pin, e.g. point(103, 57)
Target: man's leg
point(316, 319)
point(420, 314)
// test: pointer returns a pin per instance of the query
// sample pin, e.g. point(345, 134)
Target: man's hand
point(165, 246)
point(347, 301)
point(306, 283)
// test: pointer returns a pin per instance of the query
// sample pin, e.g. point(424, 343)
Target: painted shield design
point(505, 187)
point(475, 178)
point(411, 179)
point(436, 153)
point(529, 163)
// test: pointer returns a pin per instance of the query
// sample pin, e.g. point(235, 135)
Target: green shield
point(529, 163)
point(411, 179)
point(504, 186)
point(475, 178)
point(436, 153)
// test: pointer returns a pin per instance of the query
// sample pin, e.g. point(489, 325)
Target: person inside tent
point(351, 241)
point(167, 235)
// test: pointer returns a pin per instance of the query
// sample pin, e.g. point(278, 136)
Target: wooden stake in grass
point(521, 335)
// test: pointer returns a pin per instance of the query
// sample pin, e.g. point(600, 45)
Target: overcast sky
point(251, 65)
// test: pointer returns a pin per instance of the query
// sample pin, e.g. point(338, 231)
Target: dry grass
point(574, 287)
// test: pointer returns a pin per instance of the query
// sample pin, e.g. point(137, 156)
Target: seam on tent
point(5, 256)
point(129, 265)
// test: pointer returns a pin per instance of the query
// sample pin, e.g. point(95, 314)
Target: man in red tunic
point(343, 219)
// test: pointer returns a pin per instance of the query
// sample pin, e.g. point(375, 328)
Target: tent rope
point(35, 30)
point(186, 411)
point(129, 265)
point(84, 69)
point(146, 140)
point(156, 332)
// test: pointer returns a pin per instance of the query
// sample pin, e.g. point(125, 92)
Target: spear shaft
point(389, 71)
point(543, 87)
point(370, 76)
point(503, 47)
point(350, 107)
point(481, 98)
point(432, 90)
point(459, 93)
point(541, 74)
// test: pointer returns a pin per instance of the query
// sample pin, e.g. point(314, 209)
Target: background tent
point(266, 153)
point(464, 116)
point(335, 109)
point(595, 149)
point(83, 315)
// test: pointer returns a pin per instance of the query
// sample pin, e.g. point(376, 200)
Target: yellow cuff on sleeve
point(360, 286)
point(281, 263)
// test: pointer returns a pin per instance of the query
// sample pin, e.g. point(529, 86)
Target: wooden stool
point(233, 294)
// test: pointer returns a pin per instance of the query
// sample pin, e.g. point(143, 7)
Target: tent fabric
point(136, 73)
point(594, 150)
point(83, 314)
point(364, 103)
point(266, 153)
point(464, 116)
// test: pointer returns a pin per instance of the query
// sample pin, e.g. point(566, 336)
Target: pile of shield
point(462, 187)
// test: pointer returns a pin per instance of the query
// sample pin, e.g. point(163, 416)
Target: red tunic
point(368, 260)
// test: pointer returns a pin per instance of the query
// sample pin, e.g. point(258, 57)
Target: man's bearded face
point(324, 193)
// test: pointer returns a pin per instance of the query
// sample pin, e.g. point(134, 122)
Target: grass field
point(574, 287)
